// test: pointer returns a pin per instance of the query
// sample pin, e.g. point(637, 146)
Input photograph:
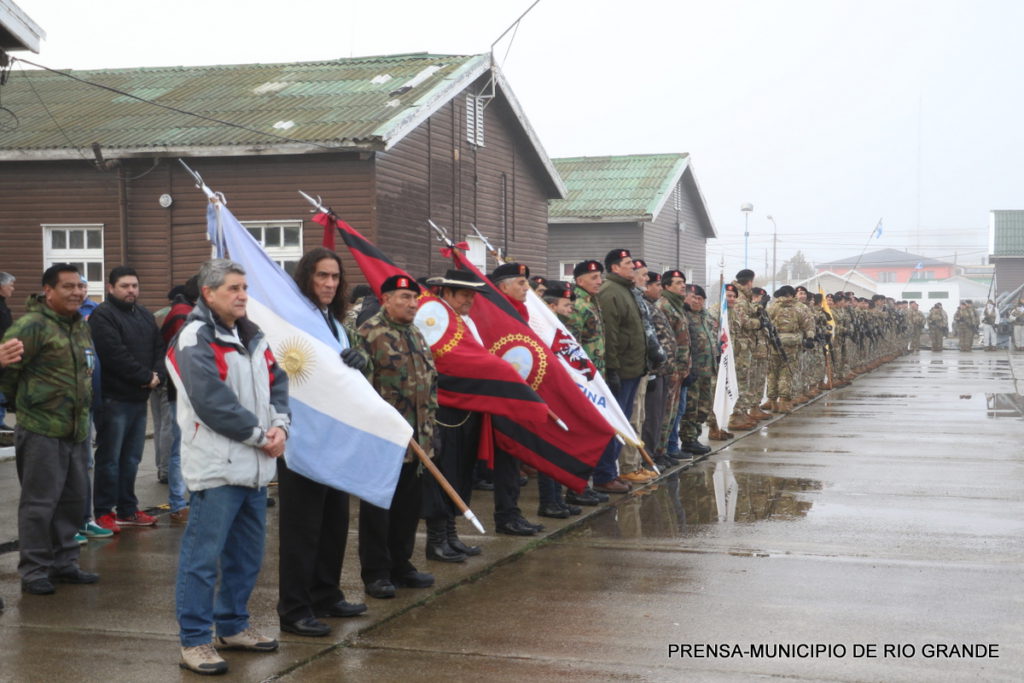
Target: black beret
point(639, 263)
point(400, 282)
point(559, 290)
point(784, 290)
point(653, 277)
point(759, 290)
point(614, 256)
point(732, 288)
point(669, 274)
point(584, 267)
point(745, 276)
point(800, 288)
point(696, 290)
point(508, 270)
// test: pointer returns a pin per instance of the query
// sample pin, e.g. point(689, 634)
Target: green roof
point(626, 188)
point(361, 103)
point(1008, 232)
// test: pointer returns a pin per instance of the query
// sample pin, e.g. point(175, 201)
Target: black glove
point(613, 381)
point(690, 379)
point(808, 343)
point(353, 359)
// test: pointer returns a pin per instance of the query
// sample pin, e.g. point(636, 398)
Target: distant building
point(1006, 248)
point(650, 204)
point(388, 142)
point(892, 266)
point(830, 283)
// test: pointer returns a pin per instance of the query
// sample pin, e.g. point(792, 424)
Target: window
point(887, 276)
point(938, 295)
point(282, 240)
point(477, 253)
point(475, 105)
point(565, 269)
point(910, 295)
point(79, 245)
point(923, 275)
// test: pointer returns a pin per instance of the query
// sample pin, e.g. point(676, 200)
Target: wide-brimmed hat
point(457, 279)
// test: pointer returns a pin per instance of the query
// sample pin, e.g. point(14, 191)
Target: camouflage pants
point(672, 390)
point(966, 337)
point(742, 353)
point(781, 380)
point(698, 406)
point(758, 375)
point(937, 336)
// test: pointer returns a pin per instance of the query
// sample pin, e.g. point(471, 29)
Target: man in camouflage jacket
point(672, 304)
point(703, 348)
point(51, 388)
point(795, 326)
point(585, 322)
point(401, 369)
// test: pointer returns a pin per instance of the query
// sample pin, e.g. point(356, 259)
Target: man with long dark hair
point(314, 517)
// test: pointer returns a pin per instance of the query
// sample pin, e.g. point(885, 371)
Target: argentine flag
point(727, 391)
point(343, 434)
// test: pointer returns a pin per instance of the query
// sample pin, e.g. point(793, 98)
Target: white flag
point(727, 391)
point(574, 359)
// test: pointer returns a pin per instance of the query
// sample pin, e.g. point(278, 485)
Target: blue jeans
point(673, 437)
point(3, 408)
point(226, 527)
point(120, 438)
point(175, 483)
point(607, 468)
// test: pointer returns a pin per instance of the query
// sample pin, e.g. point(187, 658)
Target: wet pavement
point(887, 514)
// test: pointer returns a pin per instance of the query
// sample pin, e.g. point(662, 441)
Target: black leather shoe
point(553, 510)
point(663, 462)
point(413, 579)
point(573, 510)
point(695, 447)
point(483, 485)
point(38, 587)
point(308, 626)
point(340, 609)
point(586, 497)
point(516, 527)
point(75, 575)
point(444, 552)
point(536, 527)
point(382, 589)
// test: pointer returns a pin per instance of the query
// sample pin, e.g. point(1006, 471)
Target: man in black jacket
point(6, 320)
point(131, 353)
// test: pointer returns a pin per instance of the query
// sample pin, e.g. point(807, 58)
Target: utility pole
point(746, 208)
point(775, 251)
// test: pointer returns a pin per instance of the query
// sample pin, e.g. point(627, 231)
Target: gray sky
point(826, 114)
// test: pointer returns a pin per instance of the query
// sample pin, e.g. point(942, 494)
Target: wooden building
point(650, 204)
point(90, 175)
point(1006, 234)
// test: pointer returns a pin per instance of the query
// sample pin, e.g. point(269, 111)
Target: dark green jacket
point(625, 348)
point(51, 387)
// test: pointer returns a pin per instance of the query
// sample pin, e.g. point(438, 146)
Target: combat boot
point(769, 406)
point(717, 435)
point(438, 547)
point(759, 414)
point(456, 543)
point(741, 422)
point(783, 405)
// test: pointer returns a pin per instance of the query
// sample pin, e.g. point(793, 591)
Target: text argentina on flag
point(343, 433)
point(574, 359)
point(726, 388)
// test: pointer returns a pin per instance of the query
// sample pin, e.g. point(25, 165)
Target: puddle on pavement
point(714, 492)
point(1004, 405)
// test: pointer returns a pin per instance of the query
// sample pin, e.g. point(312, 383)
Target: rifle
point(773, 334)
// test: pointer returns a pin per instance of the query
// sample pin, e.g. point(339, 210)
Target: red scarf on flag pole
point(567, 456)
point(469, 378)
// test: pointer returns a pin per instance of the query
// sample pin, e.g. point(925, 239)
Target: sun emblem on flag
point(525, 355)
point(297, 357)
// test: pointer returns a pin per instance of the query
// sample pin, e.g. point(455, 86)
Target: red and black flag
point(569, 455)
point(469, 378)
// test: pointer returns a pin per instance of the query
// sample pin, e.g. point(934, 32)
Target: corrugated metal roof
point(351, 102)
point(1008, 232)
point(625, 187)
point(884, 258)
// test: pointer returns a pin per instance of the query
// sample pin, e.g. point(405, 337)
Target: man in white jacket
point(234, 418)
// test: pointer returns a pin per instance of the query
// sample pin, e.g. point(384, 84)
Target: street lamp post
point(775, 232)
point(746, 208)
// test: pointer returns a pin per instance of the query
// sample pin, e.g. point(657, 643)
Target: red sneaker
point(108, 521)
point(140, 518)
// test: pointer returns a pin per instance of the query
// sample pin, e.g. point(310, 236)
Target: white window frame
point(82, 256)
point(565, 269)
point(477, 253)
point(281, 254)
point(475, 107)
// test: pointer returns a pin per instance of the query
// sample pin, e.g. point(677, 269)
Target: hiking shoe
point(180, 516)
point(95, 531)
point(138, 518)
point(203, 659)
point(109, 522)
point(249, 639)
point(80, 539)
point(38, 587)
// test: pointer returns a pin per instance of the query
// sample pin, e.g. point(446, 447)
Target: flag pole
point(452, 493)
point(875, 229)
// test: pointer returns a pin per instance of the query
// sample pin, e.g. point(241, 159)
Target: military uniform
point(794, 324)
point(671, 304)
point(401, 369)
point(965, 320)
point(915, 319)
point(702, 358)
point(938, 327)
point(587, 326)
point(658, 387)
point(744, 325)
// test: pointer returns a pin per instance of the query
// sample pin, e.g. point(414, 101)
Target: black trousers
point(456, 459)
point(313, 535)
point(506, 487)
point(387, 537)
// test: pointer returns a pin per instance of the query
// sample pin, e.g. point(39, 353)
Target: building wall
point(167, 245)
point(899, 274)
point(575, 242)
point(1009, 273)
point(435, 173)
point(666, 246)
